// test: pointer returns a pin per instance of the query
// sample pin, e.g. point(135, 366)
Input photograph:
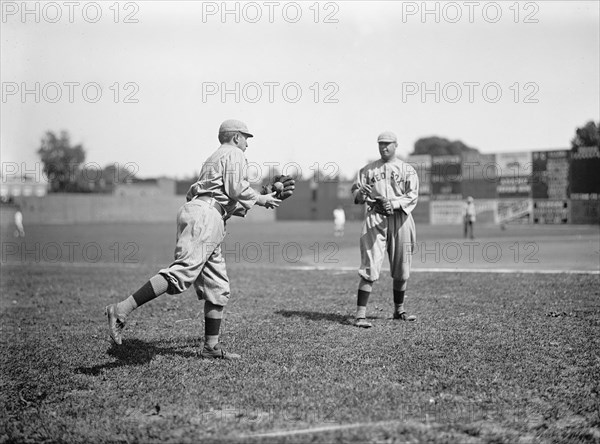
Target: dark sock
point(398, 296)
point(212, 327)
point(361, 304)
point(156, 286)
point(363, 298)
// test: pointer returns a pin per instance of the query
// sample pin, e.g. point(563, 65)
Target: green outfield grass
point(492, 357)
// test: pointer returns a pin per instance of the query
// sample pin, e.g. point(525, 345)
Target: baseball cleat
point(363, 323)
point(218, 353)
point(115, 325)
point(404, 317)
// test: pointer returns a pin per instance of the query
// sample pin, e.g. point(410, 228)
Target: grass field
point(493, 357)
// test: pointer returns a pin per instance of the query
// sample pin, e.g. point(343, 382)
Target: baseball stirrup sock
point(213, 314)
point(361, 304)
point(399, 301)
point(156, 286)
point(212, 328)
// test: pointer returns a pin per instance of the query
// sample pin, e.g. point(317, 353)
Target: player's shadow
point(317, 316)
point(135, 352)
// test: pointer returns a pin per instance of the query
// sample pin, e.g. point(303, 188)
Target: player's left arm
point(408, 201)
point(236, 183)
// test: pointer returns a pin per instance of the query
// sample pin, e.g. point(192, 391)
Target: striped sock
point(213, 315)
point(361, 304)
point(156, 286)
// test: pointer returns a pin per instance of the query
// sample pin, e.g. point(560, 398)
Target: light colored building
point(12, 187)
point(146, 188)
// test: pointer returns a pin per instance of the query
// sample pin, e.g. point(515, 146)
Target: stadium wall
point(72, 208)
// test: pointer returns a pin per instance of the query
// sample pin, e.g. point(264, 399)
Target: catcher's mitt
point(383, 206)
point(284, 186)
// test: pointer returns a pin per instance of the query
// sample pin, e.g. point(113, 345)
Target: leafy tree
point(438, 146)
point(61, 161)
point(587, 135)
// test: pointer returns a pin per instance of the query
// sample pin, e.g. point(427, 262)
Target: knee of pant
point(368, 276)
point(400, 284)
point(365, 285)
point(176, 286)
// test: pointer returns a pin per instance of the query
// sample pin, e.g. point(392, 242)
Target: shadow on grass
point(317, 316)
point(135, 352)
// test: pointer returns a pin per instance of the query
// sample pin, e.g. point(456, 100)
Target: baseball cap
point(387, 136)
point(234, 125)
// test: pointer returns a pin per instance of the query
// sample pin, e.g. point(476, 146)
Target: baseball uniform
point(397, 181)
point(201, 228)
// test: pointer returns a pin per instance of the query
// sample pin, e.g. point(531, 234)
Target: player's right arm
point(361, 190)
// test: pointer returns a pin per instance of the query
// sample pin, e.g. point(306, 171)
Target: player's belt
point(213, 203)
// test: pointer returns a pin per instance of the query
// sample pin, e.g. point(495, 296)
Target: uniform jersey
point(224, 177)
point(470, 213)
point(397, 181)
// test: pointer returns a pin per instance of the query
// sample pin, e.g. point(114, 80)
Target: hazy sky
point(365, 65)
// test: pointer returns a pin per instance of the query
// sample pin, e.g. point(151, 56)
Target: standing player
point(390, 188)
point(222, 191)
point(20, 231)
point(469, 217)
point(339, 221)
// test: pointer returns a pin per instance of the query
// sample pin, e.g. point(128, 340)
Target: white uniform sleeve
point(236, 183)
point(408, 201)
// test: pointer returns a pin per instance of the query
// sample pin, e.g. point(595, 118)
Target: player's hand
point(365, 190)
point(271, 201)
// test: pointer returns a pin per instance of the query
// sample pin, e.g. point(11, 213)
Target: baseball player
point(339, 221)
point(222, 191)
point(469, 217)
point(390, 189)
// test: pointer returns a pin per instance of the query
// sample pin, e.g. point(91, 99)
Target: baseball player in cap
point(221, 191)
point(390, 189)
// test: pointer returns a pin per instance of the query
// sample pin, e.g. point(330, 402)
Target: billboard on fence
point(585, 211)
point(486, 211)
point(514, 164)
point(480, 189)
point(550, 176)
point(551, 211)
point(422, 165)
point(446, 212)
point(476, 167)
point(514, 187)
point(515, 211)
point(446, 177)
point(585, 176)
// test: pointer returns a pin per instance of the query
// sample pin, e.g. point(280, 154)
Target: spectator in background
point(339, 220)
point(469, 217)
point(19, 231)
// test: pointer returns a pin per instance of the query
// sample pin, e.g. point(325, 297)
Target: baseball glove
point(383, 206)
point(284, 186)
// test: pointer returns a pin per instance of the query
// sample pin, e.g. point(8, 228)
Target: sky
point(148, 83)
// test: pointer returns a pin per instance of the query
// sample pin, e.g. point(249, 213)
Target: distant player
point(390, 188)
point(19, 231)
point(222, 191)
point(339, 221)
point(469, 216)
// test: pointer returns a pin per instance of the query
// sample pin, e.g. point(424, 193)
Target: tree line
point(64, 163)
